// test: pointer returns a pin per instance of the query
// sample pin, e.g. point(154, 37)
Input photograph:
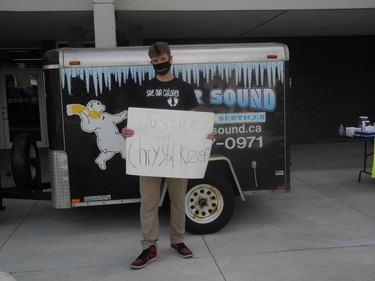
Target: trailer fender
point(218, 157)
point(25, 162)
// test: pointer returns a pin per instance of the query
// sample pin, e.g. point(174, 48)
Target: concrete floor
point(323, 230)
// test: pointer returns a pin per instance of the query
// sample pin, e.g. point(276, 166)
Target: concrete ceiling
point(28, 29)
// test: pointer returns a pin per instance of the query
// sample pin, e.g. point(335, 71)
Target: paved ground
point(323, 230)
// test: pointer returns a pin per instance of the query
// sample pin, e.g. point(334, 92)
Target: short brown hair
point(159, 48)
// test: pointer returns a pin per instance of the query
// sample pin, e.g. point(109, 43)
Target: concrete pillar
point(104, 23)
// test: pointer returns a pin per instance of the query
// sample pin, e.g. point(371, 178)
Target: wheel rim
point(204, 203)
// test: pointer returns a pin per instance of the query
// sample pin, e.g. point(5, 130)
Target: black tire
point(25, 162)
point(210, 204)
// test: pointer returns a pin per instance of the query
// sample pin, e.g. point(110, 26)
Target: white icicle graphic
point(102, 76)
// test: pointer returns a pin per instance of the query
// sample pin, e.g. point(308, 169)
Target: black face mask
point(162, 68)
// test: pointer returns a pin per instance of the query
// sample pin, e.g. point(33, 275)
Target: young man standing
point(179, 96)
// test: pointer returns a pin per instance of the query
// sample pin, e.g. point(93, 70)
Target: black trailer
point(245, 85)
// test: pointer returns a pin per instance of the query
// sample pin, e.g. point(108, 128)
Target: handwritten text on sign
point(168, 143)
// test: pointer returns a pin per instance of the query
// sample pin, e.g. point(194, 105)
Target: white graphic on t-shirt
point(172, 101)
point(170, 95)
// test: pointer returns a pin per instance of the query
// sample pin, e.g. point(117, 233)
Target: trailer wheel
point(25, 162)
point(209, 204)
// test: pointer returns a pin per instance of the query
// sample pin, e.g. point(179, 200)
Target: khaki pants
point(150, 197)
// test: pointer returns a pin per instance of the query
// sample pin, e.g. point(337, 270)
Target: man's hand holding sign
point(168, 143)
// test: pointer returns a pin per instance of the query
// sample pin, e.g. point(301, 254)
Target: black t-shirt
point(175, 94)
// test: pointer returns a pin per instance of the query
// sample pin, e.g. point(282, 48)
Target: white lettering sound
point(168, 143)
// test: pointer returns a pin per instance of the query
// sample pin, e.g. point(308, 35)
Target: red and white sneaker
point(182, 250)
point(147, 256)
